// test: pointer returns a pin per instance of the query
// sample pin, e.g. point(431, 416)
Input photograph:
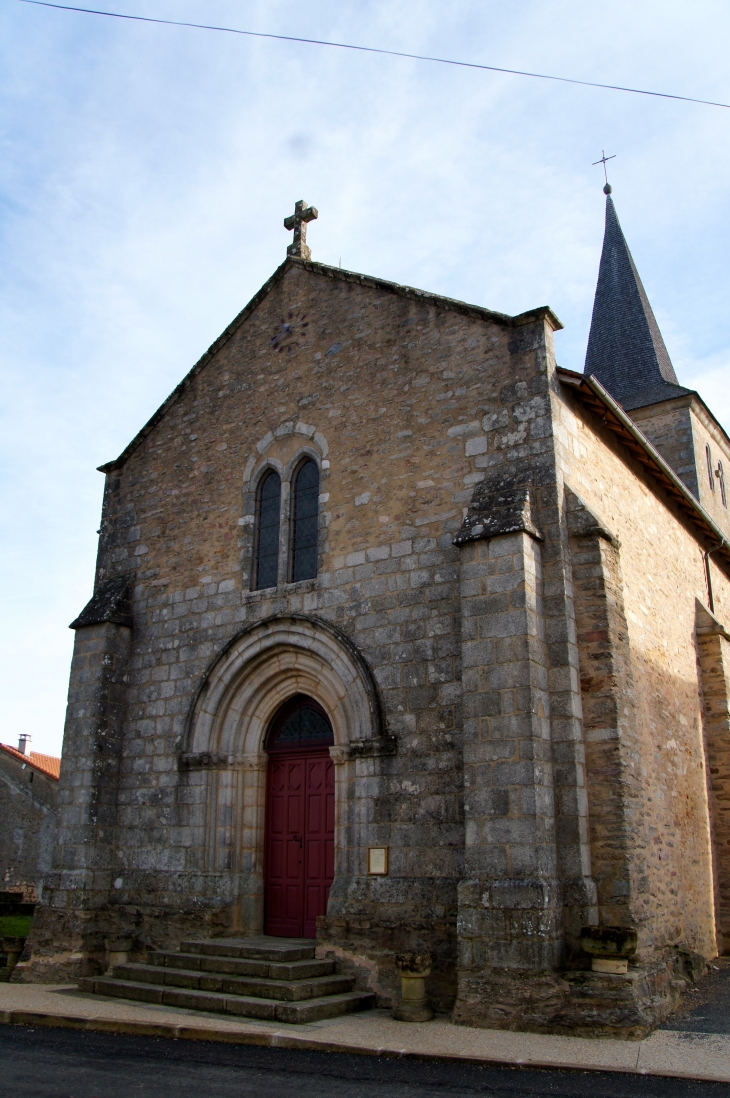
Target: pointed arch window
point(305, 519)
point(708, 455)
point(721, 478)
point(268, 514)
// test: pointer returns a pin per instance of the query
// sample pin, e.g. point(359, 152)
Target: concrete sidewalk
point(678, 1053)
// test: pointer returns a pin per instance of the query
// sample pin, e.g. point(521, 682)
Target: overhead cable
point(374, 49)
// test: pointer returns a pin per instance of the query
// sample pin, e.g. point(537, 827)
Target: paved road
point(57, 1063)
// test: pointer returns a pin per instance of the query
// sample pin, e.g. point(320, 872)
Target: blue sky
point(146, 170)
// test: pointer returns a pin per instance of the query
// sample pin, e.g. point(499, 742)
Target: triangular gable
point(337, 273)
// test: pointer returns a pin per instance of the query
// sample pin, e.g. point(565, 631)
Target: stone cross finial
point(298, 222)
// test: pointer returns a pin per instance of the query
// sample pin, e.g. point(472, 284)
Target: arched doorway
point(300, 819)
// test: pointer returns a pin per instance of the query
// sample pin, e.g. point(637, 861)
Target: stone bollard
point(413, 968)
point(609, 947)
point(117, 950)
point(13, 948)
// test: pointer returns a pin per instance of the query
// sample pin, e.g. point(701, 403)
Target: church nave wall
point(660, 580)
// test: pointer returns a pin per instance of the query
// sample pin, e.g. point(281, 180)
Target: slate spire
point(626, 351)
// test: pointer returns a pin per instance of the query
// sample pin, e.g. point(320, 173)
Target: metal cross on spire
point(604, 160)
point(298, 222)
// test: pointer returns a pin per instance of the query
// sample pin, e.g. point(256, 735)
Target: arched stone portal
point(256, 674)
point(299, 863)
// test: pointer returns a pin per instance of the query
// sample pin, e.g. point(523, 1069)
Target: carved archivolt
point(265, 666)
point(225, 760)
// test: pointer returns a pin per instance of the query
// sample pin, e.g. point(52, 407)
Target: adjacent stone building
point(403, 637)
point(28, 787)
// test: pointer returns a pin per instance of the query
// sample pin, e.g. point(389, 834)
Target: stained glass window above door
point(300, 723)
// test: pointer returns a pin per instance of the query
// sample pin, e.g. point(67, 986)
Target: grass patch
point(14, 926)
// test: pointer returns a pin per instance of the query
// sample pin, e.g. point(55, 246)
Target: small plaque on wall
point(378, 861)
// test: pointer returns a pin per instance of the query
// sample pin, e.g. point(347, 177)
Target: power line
point(374, 49)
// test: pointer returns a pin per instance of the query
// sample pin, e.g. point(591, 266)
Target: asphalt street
point(57, 1063)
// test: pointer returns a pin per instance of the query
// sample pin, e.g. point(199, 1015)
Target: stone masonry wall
point(706, 432)
point(510, 914)
point(681, 429)
point(398, 398)
point(713, 645)
point(662, 575)
point(668, 426)
point(80, 880)
point(27, 822)
point(613, 754)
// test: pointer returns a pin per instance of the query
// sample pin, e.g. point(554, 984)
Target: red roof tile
point(47, 764)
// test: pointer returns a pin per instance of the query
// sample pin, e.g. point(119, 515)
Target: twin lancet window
point(302, 542)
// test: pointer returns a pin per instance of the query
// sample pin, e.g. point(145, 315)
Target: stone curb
point(268, 1039)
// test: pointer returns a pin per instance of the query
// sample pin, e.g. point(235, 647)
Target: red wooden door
point(300, 846)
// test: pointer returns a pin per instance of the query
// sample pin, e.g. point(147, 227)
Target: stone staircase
point(277, 979)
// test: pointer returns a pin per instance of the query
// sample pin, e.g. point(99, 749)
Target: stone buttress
point(66, 937)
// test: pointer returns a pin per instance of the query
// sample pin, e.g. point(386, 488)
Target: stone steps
point(289, 990)
point(277, 979)
point(263, 948)
point(232, 966)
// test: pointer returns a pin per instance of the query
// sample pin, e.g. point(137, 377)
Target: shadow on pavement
point(706, 1007)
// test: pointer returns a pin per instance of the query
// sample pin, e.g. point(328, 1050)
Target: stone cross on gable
point(298, 222)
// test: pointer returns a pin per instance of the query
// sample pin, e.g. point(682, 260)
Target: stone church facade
point(502, 590)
